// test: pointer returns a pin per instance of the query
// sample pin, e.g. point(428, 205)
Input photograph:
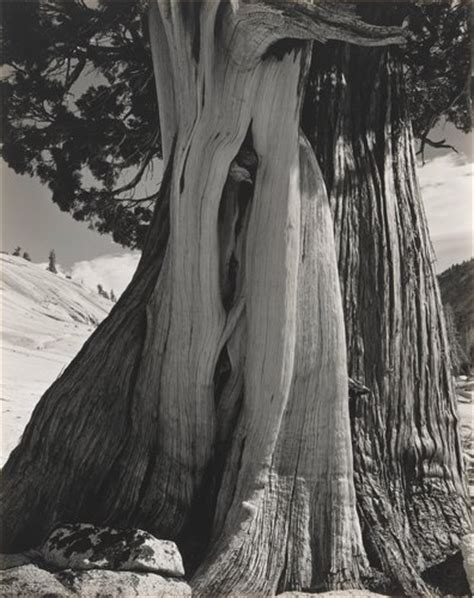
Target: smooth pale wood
point(298, 504)
point(209, 136)
point(162, 68)
point(216, 100)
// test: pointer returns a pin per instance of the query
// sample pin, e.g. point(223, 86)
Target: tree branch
point(424, 140)
point(138, 177)
point(437, 144)
point(306, 20)
point(261, 23)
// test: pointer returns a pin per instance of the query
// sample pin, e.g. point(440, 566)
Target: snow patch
point(46, 319)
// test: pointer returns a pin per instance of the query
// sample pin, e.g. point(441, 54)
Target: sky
point(31, 220)
point(446, 182)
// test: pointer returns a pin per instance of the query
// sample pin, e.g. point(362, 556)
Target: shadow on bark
point(409, 477)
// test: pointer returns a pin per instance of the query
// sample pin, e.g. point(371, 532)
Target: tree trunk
point(211, 405)
point(411, 495)
point(230, 336)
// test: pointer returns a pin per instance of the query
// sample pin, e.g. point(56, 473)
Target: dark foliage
point(459, 358)
point(80, 110)
point(457, 290)
point(438, 62)
point(52, 262)
point(102, 292)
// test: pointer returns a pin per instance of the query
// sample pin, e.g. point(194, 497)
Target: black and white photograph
point(237, 299)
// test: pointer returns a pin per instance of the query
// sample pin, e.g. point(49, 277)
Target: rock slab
point(334, 594)
point(83, 546)
point(29, 581)
point(121, 584)
point(467, 549)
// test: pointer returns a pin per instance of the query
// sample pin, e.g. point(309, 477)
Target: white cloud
point(110, 271)
point(446, 187)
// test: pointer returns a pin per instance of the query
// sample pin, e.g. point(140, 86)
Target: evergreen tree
point(102, 292)
point(459, 358)
point(52, 262)
point(17, 252)
point(26, 256)
point(79, 95)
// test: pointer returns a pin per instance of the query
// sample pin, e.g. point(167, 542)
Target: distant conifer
point(52, 262)
point(102, 292)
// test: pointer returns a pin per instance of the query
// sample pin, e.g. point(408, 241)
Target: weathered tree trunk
point(408, 464)
point(128, 434)
point(212, 403)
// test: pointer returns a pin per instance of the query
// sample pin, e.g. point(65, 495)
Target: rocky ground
point(465, 395)
point(82, 560)
point(92, 562)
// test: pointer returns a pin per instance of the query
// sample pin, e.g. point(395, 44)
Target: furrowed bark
point(302, 20)
point(216, 391)
point(408, 465)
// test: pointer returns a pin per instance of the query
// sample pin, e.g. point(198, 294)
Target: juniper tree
point(102, 292)
point(52, 262)
point(213, 401)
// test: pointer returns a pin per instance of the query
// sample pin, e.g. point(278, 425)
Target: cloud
point(446, 188)
point(110, 271)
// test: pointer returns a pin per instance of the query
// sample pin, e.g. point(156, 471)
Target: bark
point(128, 435)
point(291, 499)
point(411, 494)
point(211, 406)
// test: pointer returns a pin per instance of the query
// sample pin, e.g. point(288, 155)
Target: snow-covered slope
point(45, 320)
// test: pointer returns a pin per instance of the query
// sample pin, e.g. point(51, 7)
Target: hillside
point(457, 291)
point(45, 320)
